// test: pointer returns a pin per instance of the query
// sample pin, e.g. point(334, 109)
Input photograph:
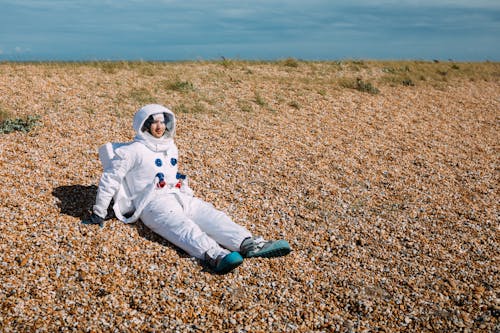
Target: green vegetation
point(365, 87)
point(290, 62)
point(111, 67)
point(360, 85)
point(245, 106)
point(294, 104)
point(182, 86)
point(436, 74)
point(142, 96)
point(8, 125)
point(193, 109)
point(227, 63)
point(259, 100)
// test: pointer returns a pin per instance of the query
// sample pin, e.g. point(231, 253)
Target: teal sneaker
point(258, 247)
point(225, 264)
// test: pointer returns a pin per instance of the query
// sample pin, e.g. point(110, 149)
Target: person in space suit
point(161, 198)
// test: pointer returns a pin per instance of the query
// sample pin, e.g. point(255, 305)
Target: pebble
point(390, 201)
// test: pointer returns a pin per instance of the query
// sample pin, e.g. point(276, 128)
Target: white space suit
point(143, 176)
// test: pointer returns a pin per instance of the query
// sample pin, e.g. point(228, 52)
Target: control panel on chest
point(166, 169)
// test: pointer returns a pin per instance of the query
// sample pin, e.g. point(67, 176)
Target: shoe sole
point(229, 262)
point(278, 249)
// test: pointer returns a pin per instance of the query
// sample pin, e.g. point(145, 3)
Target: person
point(143, 176)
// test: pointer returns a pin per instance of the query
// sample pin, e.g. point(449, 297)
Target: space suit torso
point(149, 166)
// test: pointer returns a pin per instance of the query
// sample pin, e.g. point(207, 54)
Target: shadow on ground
point(77, 201)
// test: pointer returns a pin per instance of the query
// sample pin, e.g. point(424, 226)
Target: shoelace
point(259, 243)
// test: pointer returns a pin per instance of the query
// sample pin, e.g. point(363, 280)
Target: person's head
point(154, 121)
point(155, 125)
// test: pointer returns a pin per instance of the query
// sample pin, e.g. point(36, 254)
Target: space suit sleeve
point(111, 180)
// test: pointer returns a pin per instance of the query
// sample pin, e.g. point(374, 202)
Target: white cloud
point(21, 50)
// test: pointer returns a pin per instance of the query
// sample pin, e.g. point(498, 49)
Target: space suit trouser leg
point(217, 224)
point(167, 217)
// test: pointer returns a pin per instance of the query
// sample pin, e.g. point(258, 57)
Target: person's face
point(158, 126)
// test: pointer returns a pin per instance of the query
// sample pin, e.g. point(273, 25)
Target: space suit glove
point(94, 219)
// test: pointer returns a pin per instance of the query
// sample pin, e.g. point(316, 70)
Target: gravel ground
point(390, 201)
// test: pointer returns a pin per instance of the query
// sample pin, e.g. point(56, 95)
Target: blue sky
point(461, 30)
